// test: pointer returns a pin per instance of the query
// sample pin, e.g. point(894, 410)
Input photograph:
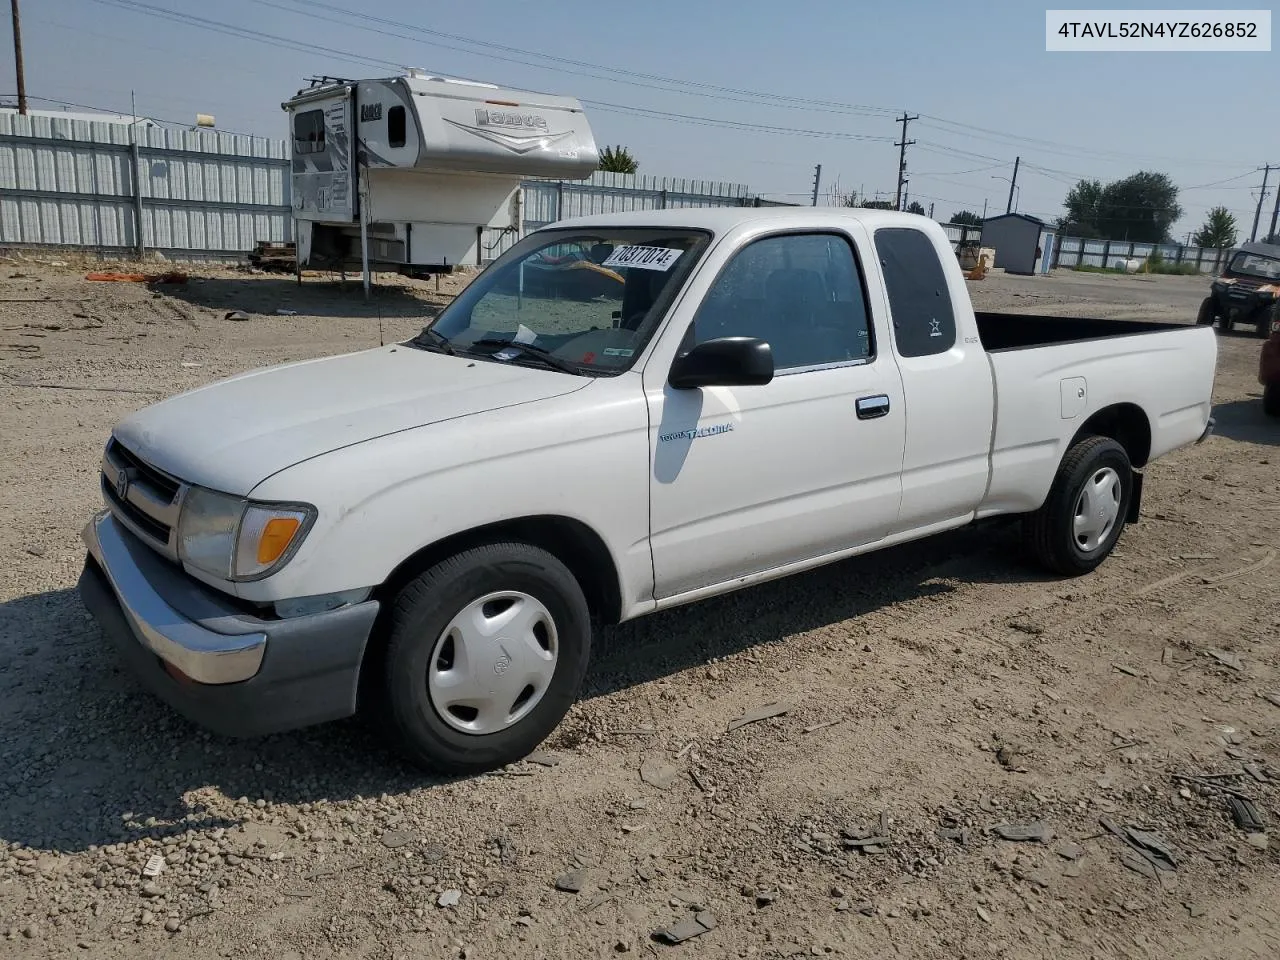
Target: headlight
point(239, 539)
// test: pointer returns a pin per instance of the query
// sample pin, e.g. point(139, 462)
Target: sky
point(747, 92)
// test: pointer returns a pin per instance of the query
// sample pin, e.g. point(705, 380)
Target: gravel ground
point(933, 692)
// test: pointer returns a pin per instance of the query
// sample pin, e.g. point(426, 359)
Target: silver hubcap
point(1097, 509)
point(493, 662)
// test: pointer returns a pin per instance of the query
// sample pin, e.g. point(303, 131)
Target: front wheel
point(1205, 317)
point(485, 656)
point(1080, 521)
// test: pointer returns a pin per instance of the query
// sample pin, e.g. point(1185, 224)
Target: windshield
point(591, 299)
point(1255, 265)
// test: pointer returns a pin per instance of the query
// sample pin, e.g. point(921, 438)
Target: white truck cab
point(622, 414)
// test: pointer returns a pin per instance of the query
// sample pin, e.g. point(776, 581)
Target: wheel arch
point(572, 542)
point(1125, 423)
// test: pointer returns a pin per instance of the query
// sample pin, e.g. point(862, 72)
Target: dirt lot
point(940, 685)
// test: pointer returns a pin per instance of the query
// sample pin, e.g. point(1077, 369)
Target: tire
point(428, 649)
point(1271, 399)
point(1205, 317)
point(1052, 534)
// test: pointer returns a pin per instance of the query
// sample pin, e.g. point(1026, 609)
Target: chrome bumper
point(202, 654)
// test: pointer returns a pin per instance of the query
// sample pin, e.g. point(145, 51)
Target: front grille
point(151, 498)
point(162, 484)
point(153, 528)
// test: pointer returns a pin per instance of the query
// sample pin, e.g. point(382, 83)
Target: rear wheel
point(486, 654)
point(1080, 521)
point(1271, 399)
point(1205, 317)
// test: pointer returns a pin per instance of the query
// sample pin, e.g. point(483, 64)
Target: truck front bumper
point(224, 668)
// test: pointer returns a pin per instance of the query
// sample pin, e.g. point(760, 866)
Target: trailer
point(408, 173)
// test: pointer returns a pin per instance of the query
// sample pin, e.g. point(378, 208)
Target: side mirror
point(724, 362)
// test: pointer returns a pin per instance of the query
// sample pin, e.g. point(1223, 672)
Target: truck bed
point(1018, 331)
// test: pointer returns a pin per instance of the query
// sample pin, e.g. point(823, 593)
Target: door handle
point(869, 408)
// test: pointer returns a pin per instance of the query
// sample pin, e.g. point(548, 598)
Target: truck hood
point(233, 434)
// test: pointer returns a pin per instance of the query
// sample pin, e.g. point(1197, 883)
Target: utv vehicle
point(1246, 291)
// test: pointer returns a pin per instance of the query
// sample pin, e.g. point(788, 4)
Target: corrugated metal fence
point(1076, 252)
point(83, 184)
point(77, 183)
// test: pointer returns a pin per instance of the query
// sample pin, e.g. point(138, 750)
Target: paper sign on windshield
point(643, 258)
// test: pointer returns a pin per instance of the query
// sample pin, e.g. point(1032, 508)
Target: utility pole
point(1257, 215)
point(1275, 214)
point(905, 202)
point(984, 209)
point(817, 179)
point(17, 59)
point(930, 211)
point(1012, 184)
point(902, 158)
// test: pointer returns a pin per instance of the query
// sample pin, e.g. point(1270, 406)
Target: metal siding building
point(1015, 237)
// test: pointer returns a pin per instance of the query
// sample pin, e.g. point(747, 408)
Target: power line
point(721, 122)
point(996, 136)
point(241, 33)
point(206, 24)
point(606, 72)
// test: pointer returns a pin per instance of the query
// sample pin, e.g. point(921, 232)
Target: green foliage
point(1219, 231)
point(618, 160)
point(1141, 207)
point(967, 218)
point(915, 207)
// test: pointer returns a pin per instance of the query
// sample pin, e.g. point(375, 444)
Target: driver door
point(748, 479)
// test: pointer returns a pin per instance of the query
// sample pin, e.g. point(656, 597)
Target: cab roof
point(723, 219)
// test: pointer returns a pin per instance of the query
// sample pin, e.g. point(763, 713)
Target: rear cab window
point(921, 313)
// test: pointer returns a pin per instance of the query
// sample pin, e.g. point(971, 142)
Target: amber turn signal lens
point(276, 537)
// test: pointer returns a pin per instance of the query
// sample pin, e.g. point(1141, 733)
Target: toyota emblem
point(122, 483)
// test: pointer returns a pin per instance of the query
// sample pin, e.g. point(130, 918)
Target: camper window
point(308, 132)
point(395, 127)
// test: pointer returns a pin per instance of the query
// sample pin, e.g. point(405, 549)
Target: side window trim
point(860, 276)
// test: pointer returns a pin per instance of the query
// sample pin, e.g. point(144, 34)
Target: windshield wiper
point(541, 353)
point(438, 341)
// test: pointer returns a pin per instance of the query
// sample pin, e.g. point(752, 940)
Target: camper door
point(324, 187)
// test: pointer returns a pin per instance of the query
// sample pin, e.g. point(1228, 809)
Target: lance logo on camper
point(500, 118)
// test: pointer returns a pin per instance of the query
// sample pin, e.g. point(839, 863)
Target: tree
point(1219, 231)
point(1141, 207)
point(915, 207)
point(618, 160)
point(1084, 209)
point(876, 204)
point(967, 218)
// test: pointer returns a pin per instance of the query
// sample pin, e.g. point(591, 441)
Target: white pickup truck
point(622, 414)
